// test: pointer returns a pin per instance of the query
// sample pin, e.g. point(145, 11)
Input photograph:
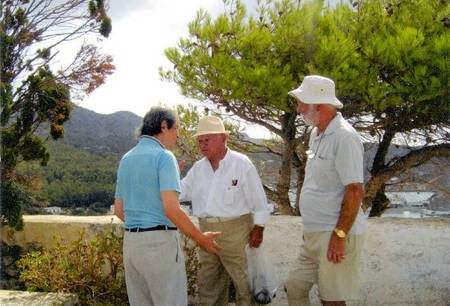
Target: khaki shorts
point(336, 282)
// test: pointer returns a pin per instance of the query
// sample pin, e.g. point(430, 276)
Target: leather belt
point(155, 228)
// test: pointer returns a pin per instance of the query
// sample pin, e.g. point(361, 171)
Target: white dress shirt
point(234, 189)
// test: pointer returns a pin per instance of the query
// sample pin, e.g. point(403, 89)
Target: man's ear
point(163, 125)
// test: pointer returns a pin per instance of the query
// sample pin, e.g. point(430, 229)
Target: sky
point(142, 30)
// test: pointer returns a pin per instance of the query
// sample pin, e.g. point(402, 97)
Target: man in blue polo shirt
point(146, 199)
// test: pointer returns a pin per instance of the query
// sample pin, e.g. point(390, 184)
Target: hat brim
point(210, 133)
point(308, 99)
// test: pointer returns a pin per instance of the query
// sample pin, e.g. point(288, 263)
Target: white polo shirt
point(234, 189)
point(335, 159)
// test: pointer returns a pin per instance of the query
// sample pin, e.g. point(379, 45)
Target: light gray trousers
point(155, 273)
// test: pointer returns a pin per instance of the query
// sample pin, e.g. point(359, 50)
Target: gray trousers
point(155, 273)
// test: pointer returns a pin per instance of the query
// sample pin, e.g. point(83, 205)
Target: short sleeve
point(118, 192)
point(168, 172)
point(349, 159)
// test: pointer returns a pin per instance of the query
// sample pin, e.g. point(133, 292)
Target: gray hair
point(151, 124)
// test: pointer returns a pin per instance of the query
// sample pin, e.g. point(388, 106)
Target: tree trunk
point(380, 203)
point(380, 156)
point(299, 165)
point(376, 197)
point(375, 185)
point(284, 180)
point(300, 178)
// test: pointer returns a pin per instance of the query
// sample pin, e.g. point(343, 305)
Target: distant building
point(54, 210)
point(410, 198)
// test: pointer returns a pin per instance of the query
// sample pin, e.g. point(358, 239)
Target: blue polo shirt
point(143, 173)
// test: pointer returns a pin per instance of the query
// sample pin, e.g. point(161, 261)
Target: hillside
point(81, 174)
point(102, 134)
point(94, 143)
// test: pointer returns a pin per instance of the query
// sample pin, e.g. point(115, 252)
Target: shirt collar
point(154, 139)
point(333, 125)
point(227, 156)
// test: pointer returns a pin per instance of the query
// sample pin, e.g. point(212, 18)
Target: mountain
point(102, 134)
point(81, 173)
point(110, 136)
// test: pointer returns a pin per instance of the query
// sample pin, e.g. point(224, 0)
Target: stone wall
point(405, 261)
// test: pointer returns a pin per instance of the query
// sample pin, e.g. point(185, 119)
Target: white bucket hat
point(317, 89)
point(210, 125)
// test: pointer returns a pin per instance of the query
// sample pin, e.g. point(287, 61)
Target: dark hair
point(151, 124)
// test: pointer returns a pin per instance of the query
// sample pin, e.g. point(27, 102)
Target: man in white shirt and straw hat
point(228, 197)
point(334, 224)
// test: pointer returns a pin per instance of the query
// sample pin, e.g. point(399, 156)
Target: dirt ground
point(404, 262)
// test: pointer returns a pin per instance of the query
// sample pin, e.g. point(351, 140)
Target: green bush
point(192, 263)
point(93, 270)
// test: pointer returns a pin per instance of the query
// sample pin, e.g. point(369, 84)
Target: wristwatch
point(340, 233)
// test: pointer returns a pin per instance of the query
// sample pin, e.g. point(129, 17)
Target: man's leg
point(137, 289)
point(297, 290)
point(234, 258)
point(301, 279)
point(213, 281)
point(340, 282)
point(236, 266)
point(158, 271)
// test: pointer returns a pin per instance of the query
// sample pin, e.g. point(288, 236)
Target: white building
point(410, 198)
point(54, 210)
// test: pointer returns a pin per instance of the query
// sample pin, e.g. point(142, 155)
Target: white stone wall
point(405, 261)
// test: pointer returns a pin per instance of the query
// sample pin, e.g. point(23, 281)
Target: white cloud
point(142, 30)
point(140, 35)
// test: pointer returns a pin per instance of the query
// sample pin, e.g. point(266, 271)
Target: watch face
point(340, 233)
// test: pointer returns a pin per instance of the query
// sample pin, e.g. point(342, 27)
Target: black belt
point(155, 228)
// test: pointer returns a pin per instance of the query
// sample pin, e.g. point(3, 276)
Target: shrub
point(93, 270)
point(192, 263)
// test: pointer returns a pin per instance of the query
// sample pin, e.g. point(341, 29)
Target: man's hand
point(336, 249)
point(208, 242)
point(256, 236)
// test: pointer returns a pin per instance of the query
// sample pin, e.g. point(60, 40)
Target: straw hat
point(317, 89)
point(210, 125)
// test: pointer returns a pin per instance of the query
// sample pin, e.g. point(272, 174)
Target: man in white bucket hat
point(334, 224)
point(228, 197)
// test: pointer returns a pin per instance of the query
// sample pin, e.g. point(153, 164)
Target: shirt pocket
point(231, 194)
point(324, 173)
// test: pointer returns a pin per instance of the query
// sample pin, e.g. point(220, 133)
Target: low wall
point(42, 229)
point(15, 298)
point(404, 262)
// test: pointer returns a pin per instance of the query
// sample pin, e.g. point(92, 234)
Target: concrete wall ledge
point(12, 297)
point(404, 261)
